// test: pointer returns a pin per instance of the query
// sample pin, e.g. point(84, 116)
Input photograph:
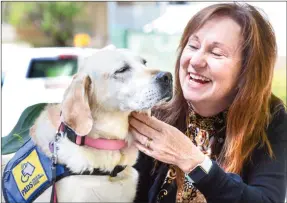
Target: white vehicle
point(38, 75)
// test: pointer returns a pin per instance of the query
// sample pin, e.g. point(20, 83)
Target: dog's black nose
point(164, 77)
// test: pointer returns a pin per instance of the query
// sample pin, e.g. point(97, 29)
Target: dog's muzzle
point(164, 80)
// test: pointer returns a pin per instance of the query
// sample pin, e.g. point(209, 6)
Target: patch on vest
point(29, 175)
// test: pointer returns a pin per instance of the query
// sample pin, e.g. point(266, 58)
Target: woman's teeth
point(198, 78)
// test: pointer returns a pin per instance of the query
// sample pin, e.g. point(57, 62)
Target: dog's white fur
point(98, 103)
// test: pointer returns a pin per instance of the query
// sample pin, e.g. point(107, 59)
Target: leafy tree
point(54, 19)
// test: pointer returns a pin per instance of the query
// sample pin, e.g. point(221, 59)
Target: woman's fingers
point(142, 128)
point(143, 149)
point(168, 145)
point(143, 140)
point(149, 120)
point(166, 158)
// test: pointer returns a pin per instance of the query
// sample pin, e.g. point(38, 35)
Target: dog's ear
point(76, 110)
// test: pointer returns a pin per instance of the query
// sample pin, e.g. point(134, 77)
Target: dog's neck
point(82, 158)
point(110, 125)
point(107, 125)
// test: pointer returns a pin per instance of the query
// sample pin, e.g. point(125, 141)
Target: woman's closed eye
point(193, 47)
point(217, 52)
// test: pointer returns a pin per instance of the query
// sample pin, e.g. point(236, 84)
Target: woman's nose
point(198, 59)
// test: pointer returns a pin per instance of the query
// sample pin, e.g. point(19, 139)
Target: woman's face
point(210, 65)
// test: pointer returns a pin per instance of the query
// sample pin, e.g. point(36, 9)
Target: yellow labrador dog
point(92, 126)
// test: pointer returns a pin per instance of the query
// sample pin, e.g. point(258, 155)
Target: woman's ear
point(76, 110)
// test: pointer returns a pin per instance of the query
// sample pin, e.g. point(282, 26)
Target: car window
point(52, 67)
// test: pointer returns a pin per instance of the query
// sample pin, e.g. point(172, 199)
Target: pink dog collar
point(100, 143)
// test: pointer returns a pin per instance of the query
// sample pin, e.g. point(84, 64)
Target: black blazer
point(263, 179)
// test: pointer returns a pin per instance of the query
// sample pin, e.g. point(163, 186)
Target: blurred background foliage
point(55, 20)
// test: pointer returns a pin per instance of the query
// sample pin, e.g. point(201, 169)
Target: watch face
point(197, 174)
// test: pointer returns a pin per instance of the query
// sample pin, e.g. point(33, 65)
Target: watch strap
point(201, 170)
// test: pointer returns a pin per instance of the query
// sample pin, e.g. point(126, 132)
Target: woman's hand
point(164, 142)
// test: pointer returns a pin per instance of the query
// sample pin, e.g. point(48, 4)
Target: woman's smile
point(196, 81)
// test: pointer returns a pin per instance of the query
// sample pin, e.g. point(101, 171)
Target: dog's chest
point(88, 188)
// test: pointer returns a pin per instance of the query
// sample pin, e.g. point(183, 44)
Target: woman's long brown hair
point(249, 114)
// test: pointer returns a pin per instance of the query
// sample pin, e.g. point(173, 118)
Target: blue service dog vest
point(28, 174)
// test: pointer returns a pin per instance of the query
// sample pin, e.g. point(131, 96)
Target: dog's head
point(112, 80)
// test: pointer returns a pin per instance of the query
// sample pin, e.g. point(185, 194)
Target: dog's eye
point(123, 69)
point(144, 61)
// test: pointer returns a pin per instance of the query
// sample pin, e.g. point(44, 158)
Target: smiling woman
point(222, 136)
point(211, 46)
